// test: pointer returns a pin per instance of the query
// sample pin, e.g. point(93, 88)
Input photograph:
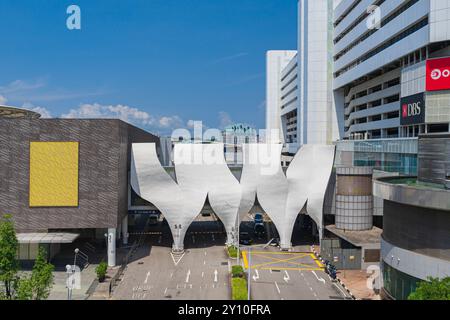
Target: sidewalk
point(59, 289)
point(356, 282)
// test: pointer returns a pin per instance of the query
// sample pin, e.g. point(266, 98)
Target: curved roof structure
point(202, 173)
point(16, 113)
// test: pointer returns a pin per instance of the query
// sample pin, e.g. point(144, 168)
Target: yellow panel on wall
point(54, 174)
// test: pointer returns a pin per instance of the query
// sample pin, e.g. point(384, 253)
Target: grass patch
point(232, 251)
point(238, 289)
point(237, 271)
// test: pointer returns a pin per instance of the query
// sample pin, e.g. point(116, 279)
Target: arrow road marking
point(188, 275)
point(146, 278)
point(317, 277)
point(256, 277)
point(215, 275)
point(286, 277)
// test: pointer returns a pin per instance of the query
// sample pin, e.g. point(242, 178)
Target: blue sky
point(157, 63)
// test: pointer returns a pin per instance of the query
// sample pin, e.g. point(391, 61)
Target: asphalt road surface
point(279, 275)
point(202, 273)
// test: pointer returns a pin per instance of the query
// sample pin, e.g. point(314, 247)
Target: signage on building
point(438, 74)
point(412, 109)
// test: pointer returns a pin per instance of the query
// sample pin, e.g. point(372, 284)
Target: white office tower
point(316, 115)
point(391, 67)
point(300, 94)
point(276, 63)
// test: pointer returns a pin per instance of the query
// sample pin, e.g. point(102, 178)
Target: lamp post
point(75, 257)
point(106, 243)
point(69, 281)
point(249, 269)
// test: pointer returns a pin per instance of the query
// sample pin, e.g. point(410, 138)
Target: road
point(279, 275)
point(202, 273)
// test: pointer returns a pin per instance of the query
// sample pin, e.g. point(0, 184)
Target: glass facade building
point(390, 155)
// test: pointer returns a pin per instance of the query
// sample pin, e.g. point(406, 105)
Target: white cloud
point(3, 100)
point(45, 113)
point(229, 58)
point(22, 86)
point(170, 122)
point(224, 119)
point(125, 113)
point(38, 91)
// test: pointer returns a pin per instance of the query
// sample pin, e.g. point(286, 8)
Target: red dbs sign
point(438, 74)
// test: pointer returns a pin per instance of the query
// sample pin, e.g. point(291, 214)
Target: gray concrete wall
point(103, 165)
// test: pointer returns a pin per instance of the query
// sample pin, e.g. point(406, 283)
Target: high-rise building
point(383, 59)
point(362, 69)
point(276, 63)
point(371, 76)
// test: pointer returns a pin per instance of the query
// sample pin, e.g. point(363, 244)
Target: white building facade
point(359, 62)
point(276, 63)
point(380, 65)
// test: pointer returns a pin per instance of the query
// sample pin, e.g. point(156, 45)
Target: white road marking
point(256, 277)
point(203, 274)
point(146, 278)
point(204, 262)
point(173, 258)
point(171, 275)
point(165, 291)
point(278, 288)
point(344, 294)
point(317, 277)
point(215, 275)
point(188, 275)
point(286, 277)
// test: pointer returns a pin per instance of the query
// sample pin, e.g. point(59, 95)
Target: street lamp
point(75, 257)
point(249, 269)
point(69, 282)
point(106, 243)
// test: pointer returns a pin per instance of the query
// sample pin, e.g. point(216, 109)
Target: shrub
point(239, 289)
point(433, 289)
point(232, 251)
point(237, 271)
point(101, 271)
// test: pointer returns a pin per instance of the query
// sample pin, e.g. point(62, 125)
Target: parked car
point(245, 239)
point(258, 218)
point(260, 230)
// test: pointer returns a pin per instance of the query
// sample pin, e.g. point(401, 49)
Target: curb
point(337, 278)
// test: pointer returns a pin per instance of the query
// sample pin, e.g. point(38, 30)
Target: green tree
point(24, 289)
point(433, 289)
point(41, 280)
point(9, 265)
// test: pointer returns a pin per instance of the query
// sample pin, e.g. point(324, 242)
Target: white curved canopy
point(202, 172)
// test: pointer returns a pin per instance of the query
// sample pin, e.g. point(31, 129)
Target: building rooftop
point(14, 113)
point(358, 238)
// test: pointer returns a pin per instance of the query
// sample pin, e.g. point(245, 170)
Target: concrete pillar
point(125, 230)
point(178, 238)
point(111, 247)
